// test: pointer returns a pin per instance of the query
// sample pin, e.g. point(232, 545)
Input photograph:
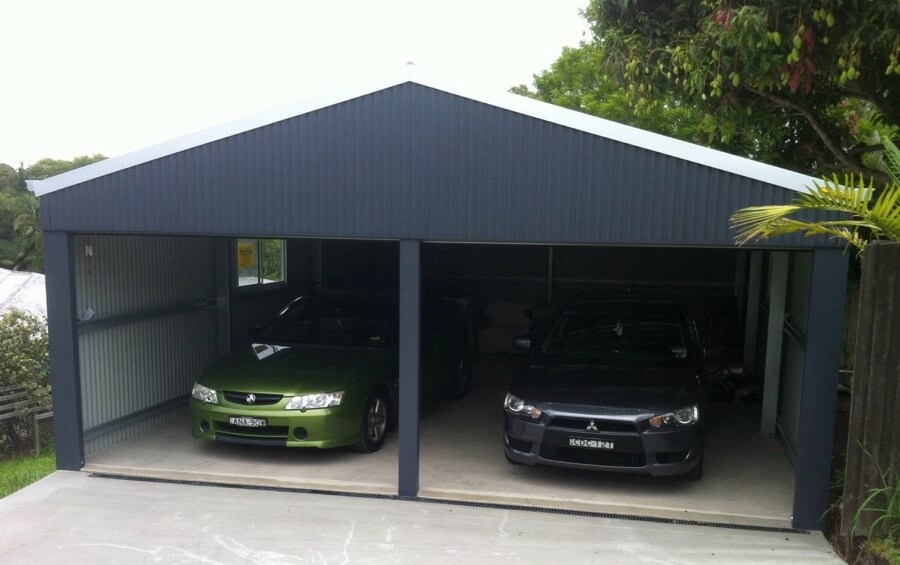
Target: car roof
point(643, 303)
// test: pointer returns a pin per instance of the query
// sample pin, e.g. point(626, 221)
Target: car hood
point(300, 369)
point(627, 389)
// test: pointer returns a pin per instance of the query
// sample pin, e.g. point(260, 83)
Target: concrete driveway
point(73, 517)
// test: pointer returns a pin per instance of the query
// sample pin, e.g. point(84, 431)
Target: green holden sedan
point(324, 374)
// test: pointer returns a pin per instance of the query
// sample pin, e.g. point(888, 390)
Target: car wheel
point(696, 473)
point(462, 374)
point(374, 425)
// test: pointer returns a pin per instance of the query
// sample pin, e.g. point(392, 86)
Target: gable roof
point(519, 104)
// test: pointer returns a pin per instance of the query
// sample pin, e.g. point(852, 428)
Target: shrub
point(24, 360)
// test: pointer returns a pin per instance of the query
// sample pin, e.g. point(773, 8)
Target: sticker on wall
point(245, 255)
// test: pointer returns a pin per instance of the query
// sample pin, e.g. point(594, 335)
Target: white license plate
point(247, 422)
point(591, 443)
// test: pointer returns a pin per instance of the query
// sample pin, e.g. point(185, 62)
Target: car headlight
point(204, 394)
point(310, 401)
point(515, 405)
point(684, 416)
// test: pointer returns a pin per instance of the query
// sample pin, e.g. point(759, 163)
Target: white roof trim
point(541, 110)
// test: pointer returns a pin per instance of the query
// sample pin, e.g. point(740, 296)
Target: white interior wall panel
point(134, 274)
point(793, 356)
point(147, 327)
point(794, 348)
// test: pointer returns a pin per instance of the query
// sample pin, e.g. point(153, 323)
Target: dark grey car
point(616, 385)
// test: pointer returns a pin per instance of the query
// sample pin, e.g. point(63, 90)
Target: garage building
point(414, 183)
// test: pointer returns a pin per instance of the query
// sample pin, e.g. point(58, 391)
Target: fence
point(874, 434)
point(16, 402)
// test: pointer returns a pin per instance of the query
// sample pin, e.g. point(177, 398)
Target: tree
point(46, 168)
point(859, 215)
point(819, 79)
point(577, 80)
point(11, 178)
point(21, 244)
point(20, 236)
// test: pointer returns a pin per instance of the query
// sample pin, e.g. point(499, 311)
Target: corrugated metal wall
point(414, 162)
point(147, 328)
point(794, 348)
point(520, 272)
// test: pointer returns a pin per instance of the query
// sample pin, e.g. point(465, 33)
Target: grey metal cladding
point(414, 162)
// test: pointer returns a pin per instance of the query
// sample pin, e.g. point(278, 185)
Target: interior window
point(259, 262)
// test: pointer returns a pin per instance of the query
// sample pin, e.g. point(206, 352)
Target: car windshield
point(357, 323)
point(618, 334)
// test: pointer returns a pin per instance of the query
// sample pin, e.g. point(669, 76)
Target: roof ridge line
point(565, 117)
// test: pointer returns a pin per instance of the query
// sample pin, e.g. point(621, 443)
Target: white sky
point(91, 76)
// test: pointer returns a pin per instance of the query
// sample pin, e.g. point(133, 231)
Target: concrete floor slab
point(748, 479)
point(71, 517)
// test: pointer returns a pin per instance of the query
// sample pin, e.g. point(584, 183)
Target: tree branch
point(862, 149)
point(832, 145)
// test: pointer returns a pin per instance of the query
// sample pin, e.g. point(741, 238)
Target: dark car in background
point(615, 383)
point(324, 374)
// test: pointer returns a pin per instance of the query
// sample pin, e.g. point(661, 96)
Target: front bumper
point(323, 427)
point(636, 448)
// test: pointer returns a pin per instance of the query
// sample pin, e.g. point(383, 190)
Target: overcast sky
point(90, 76)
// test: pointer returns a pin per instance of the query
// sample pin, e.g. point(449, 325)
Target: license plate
point(247, 422)
point(591, 443)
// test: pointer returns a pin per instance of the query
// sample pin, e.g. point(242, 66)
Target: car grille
point(593, 457)
point(581, 424)
point(274, 432)
point(262, 399)
point(672, 456)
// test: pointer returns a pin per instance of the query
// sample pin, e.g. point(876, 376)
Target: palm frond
point(892, 158)
point(862, 217)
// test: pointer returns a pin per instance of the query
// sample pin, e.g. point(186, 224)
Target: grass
point(883, 502)
point(18, 473)
point(887, 548)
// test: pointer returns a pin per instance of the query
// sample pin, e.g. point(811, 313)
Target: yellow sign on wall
point(245, 255)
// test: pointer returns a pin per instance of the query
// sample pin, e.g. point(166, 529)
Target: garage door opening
point(139, 352)
point(143, 344)
point(748, 478)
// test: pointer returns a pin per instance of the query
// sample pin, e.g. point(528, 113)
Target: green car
point(324, 374)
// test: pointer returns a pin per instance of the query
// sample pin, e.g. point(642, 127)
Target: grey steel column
point(550, 274)
point(318, 273)
point(741, 269)
point(59, 267)
point(824, 332)
point(222, 254)
point(410, 292)
point(752, 315)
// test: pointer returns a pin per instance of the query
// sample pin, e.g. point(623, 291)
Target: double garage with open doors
point(159, 263)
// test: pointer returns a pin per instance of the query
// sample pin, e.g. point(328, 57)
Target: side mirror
point(522, 342)
point(254, 332)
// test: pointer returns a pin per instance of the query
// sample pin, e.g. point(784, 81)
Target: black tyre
point(462, 374)
point(373, 427)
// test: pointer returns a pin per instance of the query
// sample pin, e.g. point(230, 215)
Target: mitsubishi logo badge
point(592, 427)
point(251, 398)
